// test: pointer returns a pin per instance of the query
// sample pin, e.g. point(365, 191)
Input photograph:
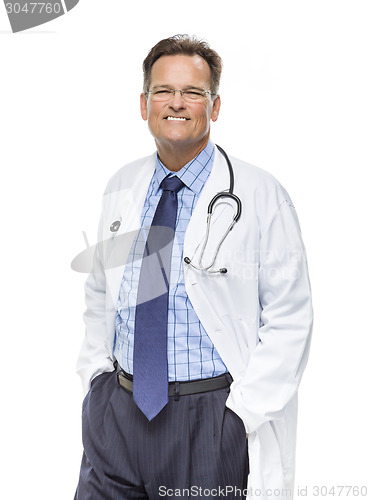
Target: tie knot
point(173, 184)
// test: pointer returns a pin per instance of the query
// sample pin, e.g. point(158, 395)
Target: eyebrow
point(187, 87)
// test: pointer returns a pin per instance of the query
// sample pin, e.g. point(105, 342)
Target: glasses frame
point(202, 92)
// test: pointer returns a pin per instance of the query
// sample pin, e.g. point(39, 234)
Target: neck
point(174, 157)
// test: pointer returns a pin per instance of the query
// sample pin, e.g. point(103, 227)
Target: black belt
point(182, 388)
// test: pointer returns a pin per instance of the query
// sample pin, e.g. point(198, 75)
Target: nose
point(177, 102)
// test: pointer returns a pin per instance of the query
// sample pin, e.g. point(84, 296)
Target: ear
point(216, 108)
point(143, 106)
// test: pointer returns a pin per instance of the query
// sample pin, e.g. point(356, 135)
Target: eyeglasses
point(189, 95)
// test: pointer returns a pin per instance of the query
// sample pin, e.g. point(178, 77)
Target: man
point(195, 342)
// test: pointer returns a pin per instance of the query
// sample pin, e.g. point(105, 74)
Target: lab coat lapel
point(199, 284)
point(127, 210)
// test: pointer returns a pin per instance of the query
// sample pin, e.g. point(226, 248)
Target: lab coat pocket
point(241, 298)
point(248, 286)
point(236, 293)
point(249, 333)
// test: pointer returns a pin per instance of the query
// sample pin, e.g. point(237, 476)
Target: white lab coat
point(258, 314)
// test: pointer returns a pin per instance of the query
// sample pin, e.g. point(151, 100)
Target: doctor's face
point(178, 123)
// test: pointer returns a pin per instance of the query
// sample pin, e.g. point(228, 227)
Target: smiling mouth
point(177, 118)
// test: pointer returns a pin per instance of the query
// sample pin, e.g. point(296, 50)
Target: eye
point(193, 94)
point(162, 92)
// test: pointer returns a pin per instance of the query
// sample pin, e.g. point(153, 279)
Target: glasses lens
point(161, 95)
point(191, 95)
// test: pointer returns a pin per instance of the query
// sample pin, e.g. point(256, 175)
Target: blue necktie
point(150, 364)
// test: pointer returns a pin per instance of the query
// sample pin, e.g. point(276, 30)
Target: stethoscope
point(223, 194)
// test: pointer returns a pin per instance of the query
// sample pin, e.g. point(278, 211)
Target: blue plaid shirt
point(191, 354)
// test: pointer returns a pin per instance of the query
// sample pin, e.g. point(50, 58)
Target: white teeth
point(176, 118)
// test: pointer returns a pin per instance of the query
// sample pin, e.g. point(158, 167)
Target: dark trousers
point(195, 447)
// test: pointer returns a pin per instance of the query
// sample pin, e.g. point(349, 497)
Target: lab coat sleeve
point(277, 362)
point(94, 357)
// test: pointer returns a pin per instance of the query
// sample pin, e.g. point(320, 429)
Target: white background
point(294, 102)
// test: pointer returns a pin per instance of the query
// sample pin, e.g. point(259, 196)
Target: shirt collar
point(194, 174)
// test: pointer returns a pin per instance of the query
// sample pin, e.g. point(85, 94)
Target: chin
point(177, 139)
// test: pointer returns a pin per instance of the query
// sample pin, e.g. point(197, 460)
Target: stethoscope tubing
point(237, 215)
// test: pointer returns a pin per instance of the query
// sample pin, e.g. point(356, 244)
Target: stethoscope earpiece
point(222, 270)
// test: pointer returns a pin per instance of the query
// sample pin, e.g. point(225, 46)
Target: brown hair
point(189, 46)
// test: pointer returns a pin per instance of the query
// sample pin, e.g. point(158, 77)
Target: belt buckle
point(177, 388)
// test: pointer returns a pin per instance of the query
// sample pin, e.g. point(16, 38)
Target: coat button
point(115, 226)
